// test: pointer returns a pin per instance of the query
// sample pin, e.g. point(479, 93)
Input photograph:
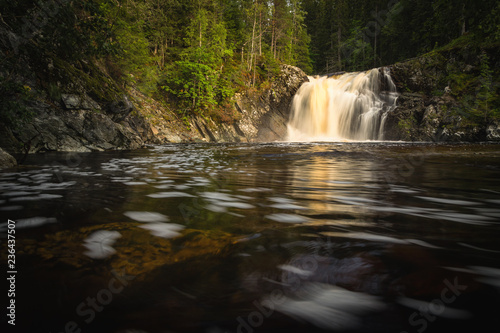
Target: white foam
point(235, 204)
point(135, 183)
point(327, 307)
point(173, 194)
point(287, 206)
point(216, 208)
point(99, 244)
point(287, 218)
point(164, 230)
point(146, 216)
point(18, 193)
point(295, 270)
point(444, 311)
point(33, 222)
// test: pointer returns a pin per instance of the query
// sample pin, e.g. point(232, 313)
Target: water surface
point(282, 237)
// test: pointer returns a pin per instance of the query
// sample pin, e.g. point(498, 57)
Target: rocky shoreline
point(81, 124)
point(426, 111)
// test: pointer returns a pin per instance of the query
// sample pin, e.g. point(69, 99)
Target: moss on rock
point(449, 94)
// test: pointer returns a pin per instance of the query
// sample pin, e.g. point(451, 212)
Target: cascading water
point(351, 106)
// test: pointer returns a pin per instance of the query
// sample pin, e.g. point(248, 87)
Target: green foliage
point(423, 25)
point(461, 83)
point(193, 84)
point(490, 26)
point(269, 67)
point(358, 52)
point(196, 79)
point(346, 34)
point(486, 108)
point(438, 93)
point(194, 53)
point(479, 101)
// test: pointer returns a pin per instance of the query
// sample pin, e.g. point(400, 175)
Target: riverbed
point(277, 237)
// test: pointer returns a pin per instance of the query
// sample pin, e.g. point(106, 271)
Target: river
point(278, 237)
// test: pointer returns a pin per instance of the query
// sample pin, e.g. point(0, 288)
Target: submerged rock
point(129, 247)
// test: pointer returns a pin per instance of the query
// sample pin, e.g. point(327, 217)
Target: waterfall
point(351, 106)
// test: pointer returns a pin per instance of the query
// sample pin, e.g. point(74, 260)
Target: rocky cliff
point(449, 94)
point(262, 115)
point(89, 118)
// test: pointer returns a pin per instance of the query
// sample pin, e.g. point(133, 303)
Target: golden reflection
point(324, 179)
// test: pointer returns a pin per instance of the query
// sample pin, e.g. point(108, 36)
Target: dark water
point(354, 237)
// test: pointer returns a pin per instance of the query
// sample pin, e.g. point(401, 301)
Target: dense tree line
point(197, 53)
point(360, 34)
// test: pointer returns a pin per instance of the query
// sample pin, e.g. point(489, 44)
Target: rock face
point(262, 116)
point(83, 125)
point(6, 160)
point(70, 130)
point(75, 102)
point(272, 124)
point(440, 97)
point(120, 109)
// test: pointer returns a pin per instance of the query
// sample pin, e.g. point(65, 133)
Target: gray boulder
point(6, 160)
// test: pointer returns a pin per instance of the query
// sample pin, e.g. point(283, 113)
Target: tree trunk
point(252, 50)
point(260, 32)
point(253, 78)
point(339, 49)
point(375, 41)
point(200, 33)
point(273, 51)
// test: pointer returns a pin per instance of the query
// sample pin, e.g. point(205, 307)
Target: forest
point(196, 54)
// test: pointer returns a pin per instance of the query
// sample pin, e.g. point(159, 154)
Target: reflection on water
point(99, 244)
point(358, 237)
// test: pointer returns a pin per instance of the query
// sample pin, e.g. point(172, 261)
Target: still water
point(282, 237)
